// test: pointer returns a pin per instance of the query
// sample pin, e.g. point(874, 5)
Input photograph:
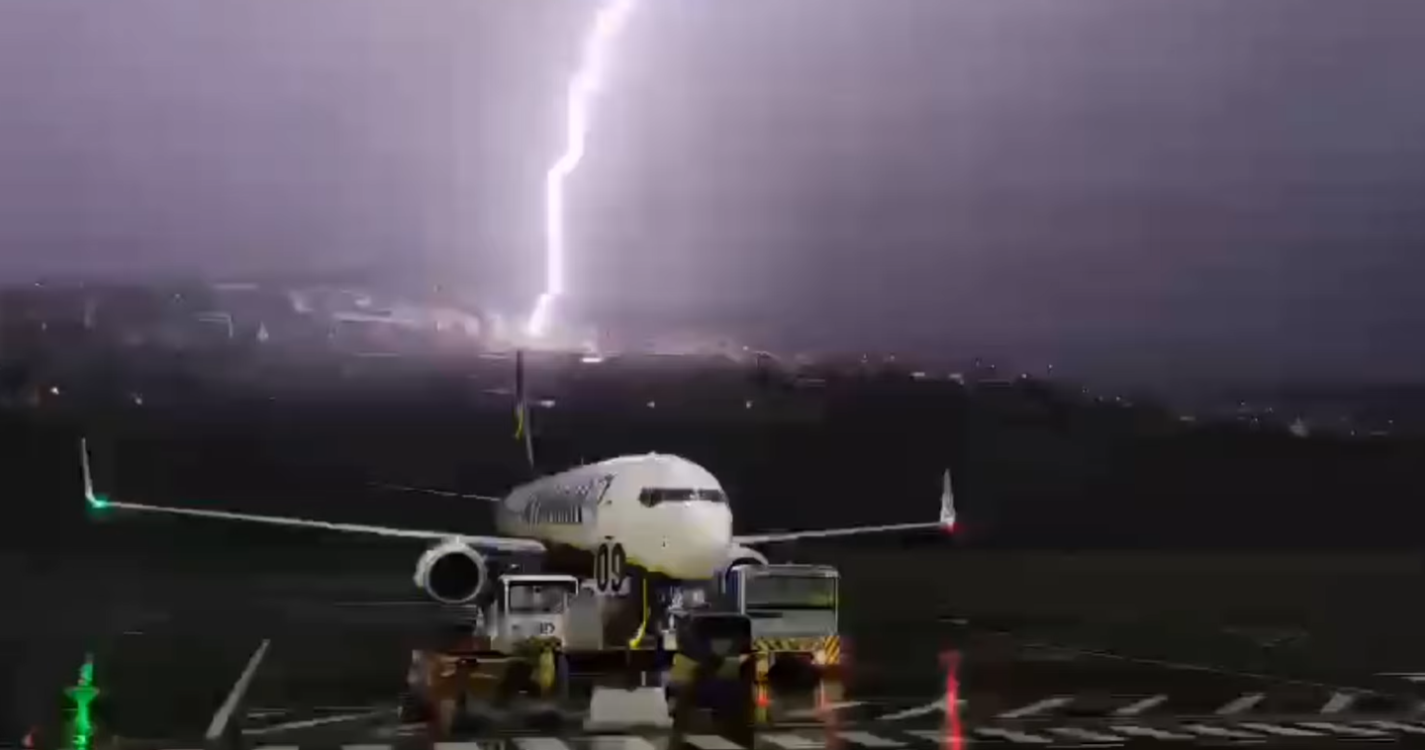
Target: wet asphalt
point(170, 634)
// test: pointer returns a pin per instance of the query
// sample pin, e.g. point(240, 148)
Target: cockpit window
point(652, 496)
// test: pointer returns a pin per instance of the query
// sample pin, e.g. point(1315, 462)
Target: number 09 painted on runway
point(609, 564)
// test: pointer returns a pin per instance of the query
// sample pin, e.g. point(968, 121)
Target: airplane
point(659, 513)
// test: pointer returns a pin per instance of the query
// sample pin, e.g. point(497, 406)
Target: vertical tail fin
point(947, 504)
point(522, 413)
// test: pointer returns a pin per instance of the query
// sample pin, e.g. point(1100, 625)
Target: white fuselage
point(669, 514)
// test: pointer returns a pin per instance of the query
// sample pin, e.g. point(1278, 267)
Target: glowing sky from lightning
point(585, 84)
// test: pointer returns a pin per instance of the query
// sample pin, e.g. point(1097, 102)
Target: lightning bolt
point(582, 88)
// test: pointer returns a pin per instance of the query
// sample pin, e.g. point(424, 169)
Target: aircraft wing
point(491, 543)
point(436, 492)
point(946, 523)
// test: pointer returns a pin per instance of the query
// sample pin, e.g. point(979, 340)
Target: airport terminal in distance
point(272, 520)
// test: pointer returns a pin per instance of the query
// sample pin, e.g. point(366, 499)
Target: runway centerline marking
point(235, 696)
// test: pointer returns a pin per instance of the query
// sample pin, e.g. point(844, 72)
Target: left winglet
point(95, 501)
point(99, 501)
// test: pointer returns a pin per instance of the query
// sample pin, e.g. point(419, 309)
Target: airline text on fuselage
point(565, 504)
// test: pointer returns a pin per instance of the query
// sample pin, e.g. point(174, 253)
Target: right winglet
point(947, 504)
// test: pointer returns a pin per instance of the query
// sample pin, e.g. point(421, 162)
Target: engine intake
point(452, 572)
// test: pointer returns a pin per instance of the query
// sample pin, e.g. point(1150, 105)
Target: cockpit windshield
point(652, 496)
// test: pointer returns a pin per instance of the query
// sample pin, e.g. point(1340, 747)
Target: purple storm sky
point(1145, 186)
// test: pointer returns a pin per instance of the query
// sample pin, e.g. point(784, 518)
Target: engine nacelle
point(452, 572)
point(741, 557)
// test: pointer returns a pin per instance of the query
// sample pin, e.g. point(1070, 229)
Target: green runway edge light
point(82, 694)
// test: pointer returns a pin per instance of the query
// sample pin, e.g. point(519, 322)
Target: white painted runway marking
point(910, 713)
point(1038, 707)
point(1211, 731)
point(1138, 707)
point(1397, 726)
point(792, 741)
point(1340, 701)
point(1187, 666)
point(811, 713)
point(1242, 703)
point(1023, 738)
point(1345, 729)
point(711, 742)
point(224, 713)
point(866, 739)
point(620, 742)
point(1412, 676)
point(1372, 730)
point(1150, 732)
point(318, 722)
point(1085, 734)
point(938, 736)
point(1280, 731)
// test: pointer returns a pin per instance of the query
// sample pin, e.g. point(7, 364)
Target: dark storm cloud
point(232, 136)
point(1146, 187)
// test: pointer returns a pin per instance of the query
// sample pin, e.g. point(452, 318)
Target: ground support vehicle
point(510, 655)
point(793, 610)
point(714, 669)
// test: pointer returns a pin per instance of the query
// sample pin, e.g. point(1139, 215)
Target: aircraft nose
point(708, 536)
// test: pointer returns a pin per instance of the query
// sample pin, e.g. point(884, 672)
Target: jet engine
point(741, 557)
point(452, 572)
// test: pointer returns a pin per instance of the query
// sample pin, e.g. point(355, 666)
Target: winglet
point(95, 501)
point(947, 504)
